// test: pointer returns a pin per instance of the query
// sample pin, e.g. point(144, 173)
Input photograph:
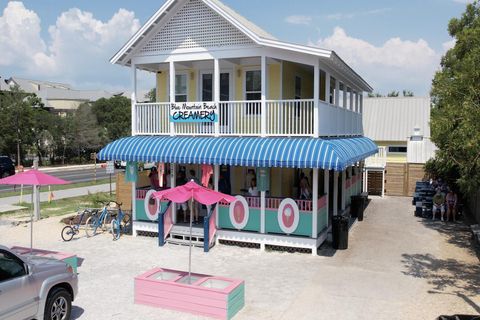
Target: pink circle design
point(288, 216)
point(239, 212)
point(153, 208)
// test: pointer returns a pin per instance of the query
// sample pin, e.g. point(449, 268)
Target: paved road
point(75, 176)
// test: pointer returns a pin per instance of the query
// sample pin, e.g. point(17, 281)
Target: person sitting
point(438, 204)
point(153, 176)
point(253, 191)
point(451, 199)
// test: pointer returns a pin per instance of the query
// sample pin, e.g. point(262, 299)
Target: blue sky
point(394, 45)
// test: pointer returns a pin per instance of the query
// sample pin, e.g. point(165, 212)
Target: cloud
point(463, 1)
point(448, 44)
point(299, 19)
point(78, 48)
point(351, 15)
point(396, 64)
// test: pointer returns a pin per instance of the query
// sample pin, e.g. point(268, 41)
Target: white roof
point(394, 119)
point(255, 33)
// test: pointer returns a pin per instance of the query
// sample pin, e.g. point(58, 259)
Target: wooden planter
point(210, 296)
point(68, 258)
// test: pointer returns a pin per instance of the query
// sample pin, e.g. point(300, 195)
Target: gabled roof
point(251, 30)
point(394, 119)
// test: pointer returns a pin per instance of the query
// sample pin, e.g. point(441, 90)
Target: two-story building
point(279, 125)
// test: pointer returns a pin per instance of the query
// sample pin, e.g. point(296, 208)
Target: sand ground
point(397, 267)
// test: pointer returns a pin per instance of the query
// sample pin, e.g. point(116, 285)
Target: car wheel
point(59, 305)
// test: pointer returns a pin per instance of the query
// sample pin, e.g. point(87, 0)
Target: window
point(298, 88)
point(397, 149)
point(10, 267)
point(207, 87)
point(181, 91)
point(253, 91)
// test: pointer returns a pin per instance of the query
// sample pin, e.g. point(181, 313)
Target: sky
point(393, 45)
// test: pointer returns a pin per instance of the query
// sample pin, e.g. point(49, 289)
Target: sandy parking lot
point(397, 267)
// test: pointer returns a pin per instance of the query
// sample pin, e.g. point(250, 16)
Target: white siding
point(420, 151)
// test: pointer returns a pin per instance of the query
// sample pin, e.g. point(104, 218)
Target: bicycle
point(120, 222)
point(73, 229)
point(95, 221)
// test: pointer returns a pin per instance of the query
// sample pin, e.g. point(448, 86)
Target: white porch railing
point(338, 121)
point(244, 118)
point(378, 160)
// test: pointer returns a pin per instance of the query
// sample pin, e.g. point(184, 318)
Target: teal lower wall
point(322, 220)
point(253, 223)
point(141, 215)
point(304, 225)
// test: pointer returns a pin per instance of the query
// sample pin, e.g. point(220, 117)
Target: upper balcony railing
point(247, 118)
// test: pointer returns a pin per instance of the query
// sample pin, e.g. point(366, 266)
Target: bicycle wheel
point(67, 233)
point(115, 228)
point(91, 226)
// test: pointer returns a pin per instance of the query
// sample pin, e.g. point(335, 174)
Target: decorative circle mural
point(288, 216)
point(152, 206)
point(239, 213)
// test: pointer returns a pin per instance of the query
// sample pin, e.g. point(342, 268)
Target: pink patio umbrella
point(189, 192)
point(32, 178)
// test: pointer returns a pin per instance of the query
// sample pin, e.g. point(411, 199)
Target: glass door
point(207, 93)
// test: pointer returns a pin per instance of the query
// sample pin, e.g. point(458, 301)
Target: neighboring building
point(235, 101)
point(57, 97)
point(400, 126)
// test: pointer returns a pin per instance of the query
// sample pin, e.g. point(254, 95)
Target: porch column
point(326, 187)
point(344, 198)
point(216, 180)
point(172, 93)
point(361, 103)
point(262, 211)
point(327, 87)
point(173, 182)
point(134, 98)
point(383, 182)
point(351, 100)
point(315, 203)
point(216, 92)
point(316, 98)
point(344, 96)
point(337, 93)
point(264, 97)
point(335, 193)
point(134, 209)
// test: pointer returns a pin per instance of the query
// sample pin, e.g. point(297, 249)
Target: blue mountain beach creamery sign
point(194, 112)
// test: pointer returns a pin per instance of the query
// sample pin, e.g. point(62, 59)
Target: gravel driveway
point(397, 267)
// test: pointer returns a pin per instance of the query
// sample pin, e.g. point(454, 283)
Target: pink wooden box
point(210, 296)
point(69, 258)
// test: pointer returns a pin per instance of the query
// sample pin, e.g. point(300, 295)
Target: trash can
point(357, 207)
point(340, 232)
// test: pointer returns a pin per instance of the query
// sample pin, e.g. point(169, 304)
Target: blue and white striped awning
point(332, 154)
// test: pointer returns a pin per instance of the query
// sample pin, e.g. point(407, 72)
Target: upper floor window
point(253, 91)
point(397, 149)
point(181, 88)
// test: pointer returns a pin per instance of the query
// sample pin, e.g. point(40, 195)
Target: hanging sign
point(194, 112)
point(263, 179)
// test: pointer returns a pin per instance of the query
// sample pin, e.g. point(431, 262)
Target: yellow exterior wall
point(274, 81)
point(162, 85)
point(162, 78)
point(290, 71)
point(392, 157)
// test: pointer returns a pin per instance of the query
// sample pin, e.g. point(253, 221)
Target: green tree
point(16, 115)
point(151, 95)
point(84, 133)
point(114, 117)
point(407, 93)
point(393, 94)
point(455, 120)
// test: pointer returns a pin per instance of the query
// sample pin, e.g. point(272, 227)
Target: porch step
point(180, 235)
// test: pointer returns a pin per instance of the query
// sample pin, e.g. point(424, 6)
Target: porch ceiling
point(332, 154)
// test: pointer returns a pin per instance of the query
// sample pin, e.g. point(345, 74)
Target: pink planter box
point(210, 296)
point(69, 258)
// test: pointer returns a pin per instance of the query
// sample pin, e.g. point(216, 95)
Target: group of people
point(445, 200)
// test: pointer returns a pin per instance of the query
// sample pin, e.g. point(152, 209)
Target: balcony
point(291, 118)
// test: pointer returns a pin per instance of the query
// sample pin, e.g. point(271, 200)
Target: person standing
point(451, 205)
point(438, 204)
